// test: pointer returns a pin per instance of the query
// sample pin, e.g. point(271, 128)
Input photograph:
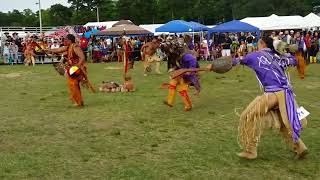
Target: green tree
point(15, 18)
point(59, 15)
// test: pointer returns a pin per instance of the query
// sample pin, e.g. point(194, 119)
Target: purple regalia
point(189, 61)
point(270, 70)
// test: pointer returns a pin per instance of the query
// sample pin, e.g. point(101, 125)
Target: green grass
point(134, 136)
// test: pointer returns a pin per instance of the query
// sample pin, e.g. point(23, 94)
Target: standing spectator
point(14, 52)
point(242, 37)
point(226, 45)
point(249, 41)
point(287, 37)
point(205, 49)
point(314, 48)
point(109, 43)
point(6, 53)
point(56, 45)
point(307, 40)
point(275, 36)
point(242, 50)
point(84, 44)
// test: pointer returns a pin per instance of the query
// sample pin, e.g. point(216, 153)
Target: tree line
point(157, 11)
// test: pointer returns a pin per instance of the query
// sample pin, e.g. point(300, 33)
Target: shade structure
point(179, 26)
point(107, 24)
point(275, 22)
point(89, 33)
point(152, 28)
point(124, 29)
point(59, 33)
point(234, 26)
point(122, 23)
point(312, 20)
point(199, 25)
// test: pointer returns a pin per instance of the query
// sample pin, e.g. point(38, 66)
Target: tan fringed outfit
point(265, 112)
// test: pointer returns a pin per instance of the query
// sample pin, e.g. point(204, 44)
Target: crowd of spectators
point(107, 49)
point(84, 29)
point(13, 47)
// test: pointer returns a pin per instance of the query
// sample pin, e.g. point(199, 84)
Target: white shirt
point(108, 42)
point(288, 39)
point(6, 50)
point(53, 46)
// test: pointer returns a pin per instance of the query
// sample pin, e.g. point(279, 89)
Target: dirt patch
point(113, 68)
point(16, 74)
point(11, 75)
point(315, 86)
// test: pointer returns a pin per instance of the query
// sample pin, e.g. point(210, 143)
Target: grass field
point(134, 136)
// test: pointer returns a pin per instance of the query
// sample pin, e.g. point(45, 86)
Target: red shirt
point(84, 43)
point(307, 40)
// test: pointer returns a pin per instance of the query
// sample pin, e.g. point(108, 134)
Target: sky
point(9, 5)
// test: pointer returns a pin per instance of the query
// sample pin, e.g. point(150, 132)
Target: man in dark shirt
point(249, 41)
point(242, 37)
point(226, 45)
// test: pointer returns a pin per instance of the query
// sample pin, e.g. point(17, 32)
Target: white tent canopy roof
point(152, 28)
point(312, 20)
point(107, 24)
point(275, 22)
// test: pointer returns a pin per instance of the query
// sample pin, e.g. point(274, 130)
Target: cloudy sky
point(9, 5)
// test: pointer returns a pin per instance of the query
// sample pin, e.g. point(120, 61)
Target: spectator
point(242, 50)
point(287, 37)
point(242, 37)
point(6, 52)
point(226, 45)
point(314, 48)
point(307, 40)
point(249, 41)
point(55, 45)
point(14, 52)
point(84, 43)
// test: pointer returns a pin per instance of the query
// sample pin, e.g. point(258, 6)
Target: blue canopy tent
point(180, 26)
point(89, 33)
point(201, 26)
point(235, 26)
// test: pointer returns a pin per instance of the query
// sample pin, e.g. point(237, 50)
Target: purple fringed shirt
point(189, 61)
point(270, 70)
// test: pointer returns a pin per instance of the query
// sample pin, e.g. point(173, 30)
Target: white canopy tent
point(152, 28)
point(312, 20)
point(275, 22)
point(107, 24)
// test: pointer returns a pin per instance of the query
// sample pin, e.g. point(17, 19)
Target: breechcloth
point(29, 59)
point(301, 64)
point(152, 59)
point(74, 89)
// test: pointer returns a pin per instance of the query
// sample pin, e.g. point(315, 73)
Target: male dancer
point(182, 83)
point(75, 60)
point(150, 56)
point(276, 107)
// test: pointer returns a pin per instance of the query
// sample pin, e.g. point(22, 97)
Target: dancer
point(76, 69)
point(29, 53)
point(182, 83)
point(150, 56)
point(276, 108)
